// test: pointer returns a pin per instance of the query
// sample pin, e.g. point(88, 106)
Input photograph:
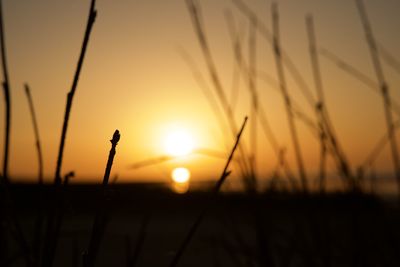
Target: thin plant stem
point(287, 100)
point(70, 96)
point(53, 222)
point(225, 173)
point(37, 244)
point(7, 205)
point(102, 213)
point(374, 52)
point(7, 98)
point(36, 131)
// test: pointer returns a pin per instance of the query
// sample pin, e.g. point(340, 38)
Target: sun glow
point(180, 175)
point(179, 143)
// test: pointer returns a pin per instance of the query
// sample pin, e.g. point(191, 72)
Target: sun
point(179, 143)
point(180, 175)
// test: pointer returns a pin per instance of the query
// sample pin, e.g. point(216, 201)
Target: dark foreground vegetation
point(147, 223)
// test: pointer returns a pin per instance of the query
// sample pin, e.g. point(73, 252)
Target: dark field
point(147, 223)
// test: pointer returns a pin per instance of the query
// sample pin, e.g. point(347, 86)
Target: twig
point(7, 99)
point(36, 131)
point(101, 218)
point(225, 173)
point(53, 223)
point(70, 96)
point(6, 203)
point(37, 244)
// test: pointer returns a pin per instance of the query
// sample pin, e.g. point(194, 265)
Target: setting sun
point(179, 143)
point(180, 175)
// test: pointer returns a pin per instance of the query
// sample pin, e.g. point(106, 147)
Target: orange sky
point(135, 80)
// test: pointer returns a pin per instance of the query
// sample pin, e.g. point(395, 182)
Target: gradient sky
point(135, 80)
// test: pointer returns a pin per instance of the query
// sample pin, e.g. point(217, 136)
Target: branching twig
point(225, 173)
point(53, 223)
point(70, 96)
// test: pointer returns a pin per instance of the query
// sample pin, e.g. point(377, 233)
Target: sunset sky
point(135, 79)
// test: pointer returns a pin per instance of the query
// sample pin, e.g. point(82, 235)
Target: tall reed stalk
point(387, 102)
point(8, 217)
point(4, 175)
point(7, 98)
point(286, 98)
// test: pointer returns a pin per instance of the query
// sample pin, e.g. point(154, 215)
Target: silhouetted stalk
point(383, 86)
point(7, 99)
point(340, 63)
point(54, 223)
point(4, 176)
point(7, 206)
point(286, 98)
point(102, 213)
point(225, 173)
point(70, 96)
point(36, 131)
point(198, 26)
point(37, 244)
